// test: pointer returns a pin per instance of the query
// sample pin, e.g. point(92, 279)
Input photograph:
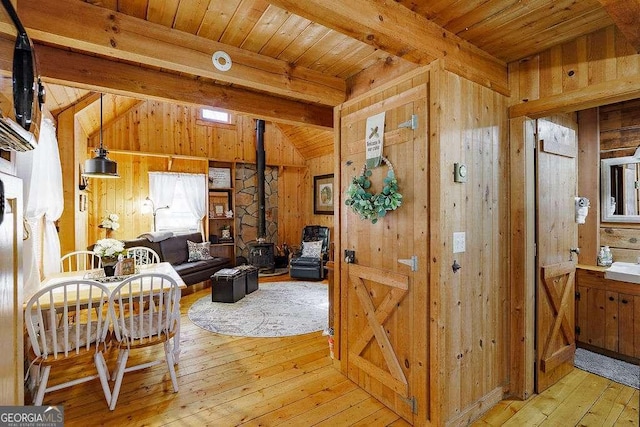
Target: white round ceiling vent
point(221, 60)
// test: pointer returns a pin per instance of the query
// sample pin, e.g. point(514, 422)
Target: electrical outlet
point(459, 242)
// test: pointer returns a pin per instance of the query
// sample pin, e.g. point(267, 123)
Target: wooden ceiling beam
point(94, 73)
point(104, 32)
point(85, 102)
point(626, 15)
point(391, 27)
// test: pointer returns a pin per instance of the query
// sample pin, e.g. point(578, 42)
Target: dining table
point(111, 283)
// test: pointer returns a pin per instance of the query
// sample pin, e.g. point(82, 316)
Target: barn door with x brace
point(557, 235)
point(384, 293)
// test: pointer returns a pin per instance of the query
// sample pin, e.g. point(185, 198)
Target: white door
point(11, 232)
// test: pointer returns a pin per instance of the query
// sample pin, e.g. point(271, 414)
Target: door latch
point(349, 256)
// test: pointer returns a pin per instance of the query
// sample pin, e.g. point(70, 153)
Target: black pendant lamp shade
point(100, 166)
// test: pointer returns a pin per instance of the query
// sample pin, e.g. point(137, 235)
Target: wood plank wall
point(322, 165)
point(156, 136)
point(589, 184)
point(72, 146)
point(619, 137)
point(157, 127)
point(468, 125)
point(595, 69)
point(598, 68)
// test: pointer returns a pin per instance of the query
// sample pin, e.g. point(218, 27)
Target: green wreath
point(373, 206)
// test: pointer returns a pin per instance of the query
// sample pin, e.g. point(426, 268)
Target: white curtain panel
point(41, 173)
point(196, 190)
point(162, 185)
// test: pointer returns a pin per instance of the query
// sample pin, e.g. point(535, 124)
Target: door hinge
point(411, 262)
point(577, 295)
point(577, 330)
point(412, 123)
point(411, 401)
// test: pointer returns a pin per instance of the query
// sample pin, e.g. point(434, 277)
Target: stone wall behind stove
point(246, 186)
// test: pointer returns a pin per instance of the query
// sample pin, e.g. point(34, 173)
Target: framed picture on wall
point(219, 178)
point(323, 194)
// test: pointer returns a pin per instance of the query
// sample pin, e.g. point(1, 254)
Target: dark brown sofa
point(174, 250)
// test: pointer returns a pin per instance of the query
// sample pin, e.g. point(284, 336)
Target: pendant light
point(100, 166)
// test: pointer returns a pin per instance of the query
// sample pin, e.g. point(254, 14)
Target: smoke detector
point(221, 60)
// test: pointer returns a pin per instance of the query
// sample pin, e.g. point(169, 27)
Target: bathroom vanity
point(607, 314)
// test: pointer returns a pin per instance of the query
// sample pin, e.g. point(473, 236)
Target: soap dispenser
point(608, 256)
point(602, 257)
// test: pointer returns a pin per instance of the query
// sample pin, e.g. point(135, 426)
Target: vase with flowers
point(110, 251)
point(110, 224)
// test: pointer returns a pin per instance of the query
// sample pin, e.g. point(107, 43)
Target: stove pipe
point(260, 165)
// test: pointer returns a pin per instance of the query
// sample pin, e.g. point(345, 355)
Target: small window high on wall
point(215, 116)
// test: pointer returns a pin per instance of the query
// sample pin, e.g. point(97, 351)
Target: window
point(178, 218)
point(214, 115)
point(180, 201)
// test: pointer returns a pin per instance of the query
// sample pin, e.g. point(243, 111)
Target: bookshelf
point(222, 209)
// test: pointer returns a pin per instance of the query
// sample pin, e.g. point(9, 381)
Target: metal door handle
point(573, 251)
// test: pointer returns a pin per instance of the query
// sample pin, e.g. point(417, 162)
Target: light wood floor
point(228, 381)
point(579, 399)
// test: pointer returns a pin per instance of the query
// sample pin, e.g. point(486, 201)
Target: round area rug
point(276, 272)
point(276, 309)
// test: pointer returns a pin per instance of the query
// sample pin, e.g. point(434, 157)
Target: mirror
point(620, 195)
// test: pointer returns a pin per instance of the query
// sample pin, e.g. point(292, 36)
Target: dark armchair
point(314, 253)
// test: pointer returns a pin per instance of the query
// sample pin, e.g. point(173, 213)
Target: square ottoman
point(251, 277)
point(228, 285)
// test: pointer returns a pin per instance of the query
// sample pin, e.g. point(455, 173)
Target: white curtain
point(196, 196)
point(162, 185)
point(41, 173)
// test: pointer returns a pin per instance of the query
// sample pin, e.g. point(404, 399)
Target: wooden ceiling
point(292, 60)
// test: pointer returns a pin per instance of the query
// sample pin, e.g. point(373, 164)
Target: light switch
point(459, 242)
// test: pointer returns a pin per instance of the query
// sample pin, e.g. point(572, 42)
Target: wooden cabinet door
point(11, 362)
point(636, 326)
point(557, 231)
point(611, 321)
point(582, 312)
point(596, 302)
point(384, 332)
point(629, 335)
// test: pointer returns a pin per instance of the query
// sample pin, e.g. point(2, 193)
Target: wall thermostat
point(459, 172)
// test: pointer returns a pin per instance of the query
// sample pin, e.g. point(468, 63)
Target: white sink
point(623, 271)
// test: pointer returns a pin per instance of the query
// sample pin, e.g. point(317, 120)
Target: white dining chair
point(143, 255)
point(80, 260)
point(134, 327)
point(67, 323)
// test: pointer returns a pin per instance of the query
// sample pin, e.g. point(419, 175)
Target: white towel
point(157, 236)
